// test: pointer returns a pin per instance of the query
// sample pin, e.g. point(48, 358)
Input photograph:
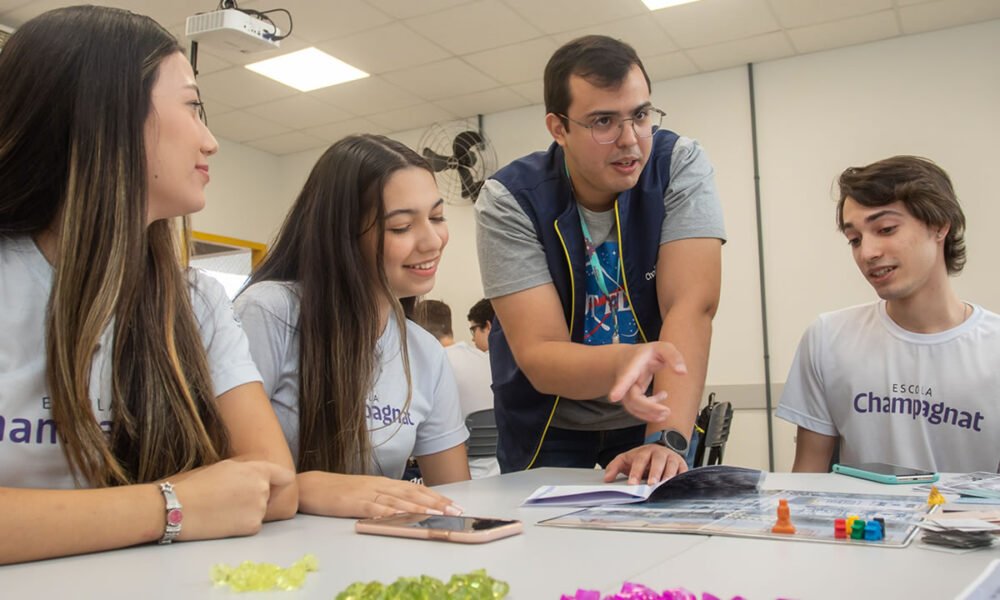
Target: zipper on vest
point(621, 267)
point(572, 318)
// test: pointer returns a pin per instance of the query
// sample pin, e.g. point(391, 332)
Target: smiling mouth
point(880, 272)
point(423, 266)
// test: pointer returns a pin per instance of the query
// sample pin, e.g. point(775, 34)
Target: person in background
point(126, 386)
point(909, 379)
point(602, 258)
point(357, 387)
point(471, 367)
point(480, 318)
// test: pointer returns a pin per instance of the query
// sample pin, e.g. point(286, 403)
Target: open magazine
point(719, 480)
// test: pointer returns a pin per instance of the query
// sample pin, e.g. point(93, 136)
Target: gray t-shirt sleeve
point(265, 310)
point(229, 359)
point(691, 201)
point(511, 258)
point(803, 401)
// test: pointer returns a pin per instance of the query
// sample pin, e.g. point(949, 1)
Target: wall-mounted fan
point(461, 156)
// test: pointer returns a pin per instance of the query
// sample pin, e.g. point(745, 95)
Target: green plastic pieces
point(264, 577)
point(476, 585)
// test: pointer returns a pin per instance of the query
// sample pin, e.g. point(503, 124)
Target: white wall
point(933, 94)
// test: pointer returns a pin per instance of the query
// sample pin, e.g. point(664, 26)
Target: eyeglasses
point(475, 328)
point(606, 129)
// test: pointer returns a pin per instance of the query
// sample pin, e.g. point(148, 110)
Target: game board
point(752, 514)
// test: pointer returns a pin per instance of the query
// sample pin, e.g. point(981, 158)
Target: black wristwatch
point(675, 440)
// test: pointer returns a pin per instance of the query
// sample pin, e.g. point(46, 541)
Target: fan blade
point(470, 187)
point(438, 163)
point(462, 146)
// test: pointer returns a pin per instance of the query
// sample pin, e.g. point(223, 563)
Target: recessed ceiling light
point(307, 70)
point(658, 4)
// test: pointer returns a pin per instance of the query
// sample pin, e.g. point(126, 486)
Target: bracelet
point(174, 513)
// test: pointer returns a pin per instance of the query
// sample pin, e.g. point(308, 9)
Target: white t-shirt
point(474, 378)
point(471, 367)
point(31, 455)
point(433, 423)
point(918, 400)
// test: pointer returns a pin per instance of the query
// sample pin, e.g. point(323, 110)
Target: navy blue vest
point(539, 184)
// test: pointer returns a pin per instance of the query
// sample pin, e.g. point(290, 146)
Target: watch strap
point(174, 513)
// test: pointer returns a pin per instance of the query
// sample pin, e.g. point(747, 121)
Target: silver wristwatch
point(174, 513)
point(674, 440)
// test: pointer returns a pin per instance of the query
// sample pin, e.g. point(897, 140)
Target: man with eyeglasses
point(601, 257)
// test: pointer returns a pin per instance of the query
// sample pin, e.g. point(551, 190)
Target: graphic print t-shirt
point(599, 326)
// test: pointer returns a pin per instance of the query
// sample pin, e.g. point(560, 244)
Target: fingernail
point(434, 511)
point(633, 481)
point(654, 480)
point(453, 510)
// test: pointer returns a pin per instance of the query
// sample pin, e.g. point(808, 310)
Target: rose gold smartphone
point(465, 530)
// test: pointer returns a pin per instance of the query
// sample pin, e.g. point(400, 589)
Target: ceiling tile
point(239, 126)
point(714, 21)
point(411, 117)
point(335, 131)
point(730, 54)
point(474, 27)
point(669, 66)
point(836, 34)
point(514, 64)
point(299, 112)
point(442, 79)
point(947, 13)
point(553, 16)
point(798, 13)
point(532, 90)
point(316, 21)
point(287, 143)
point(387, 48)
point(208, 63)
point(240, 87)
point(483, 103)
point(404, 9)
point(642, 33)
point(215, 108)
point(366, 96)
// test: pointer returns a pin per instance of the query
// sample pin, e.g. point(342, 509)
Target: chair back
point(482, 426)
point(717, 433)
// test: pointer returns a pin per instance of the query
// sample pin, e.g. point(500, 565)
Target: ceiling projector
point(232, 29)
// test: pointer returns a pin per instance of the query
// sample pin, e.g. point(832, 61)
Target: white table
point(543, 563)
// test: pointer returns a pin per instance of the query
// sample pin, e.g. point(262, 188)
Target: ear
point(489, 326)
point(556, 128)
point(943, 231)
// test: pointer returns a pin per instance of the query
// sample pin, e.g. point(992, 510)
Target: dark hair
point(319, 248)
point(922, 186)
point(481, 313)
point(75, 97)
point(603, 61)
point(435, 317)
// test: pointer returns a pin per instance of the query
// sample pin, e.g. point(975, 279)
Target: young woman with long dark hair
point(124, 380)
point(358, 388)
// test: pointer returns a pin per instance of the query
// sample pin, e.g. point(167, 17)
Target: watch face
point(174, 516)
point(675, 440)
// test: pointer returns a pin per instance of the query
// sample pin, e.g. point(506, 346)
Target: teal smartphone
point(886, 473)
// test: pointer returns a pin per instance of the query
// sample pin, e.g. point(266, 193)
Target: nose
point(434, 237)
point(209, 144)
point(628, 137)
point(870, 249)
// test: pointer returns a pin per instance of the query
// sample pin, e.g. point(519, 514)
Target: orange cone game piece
point(784, 522)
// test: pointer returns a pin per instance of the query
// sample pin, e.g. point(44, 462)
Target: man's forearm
point(572, 370)
point(691, 333)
